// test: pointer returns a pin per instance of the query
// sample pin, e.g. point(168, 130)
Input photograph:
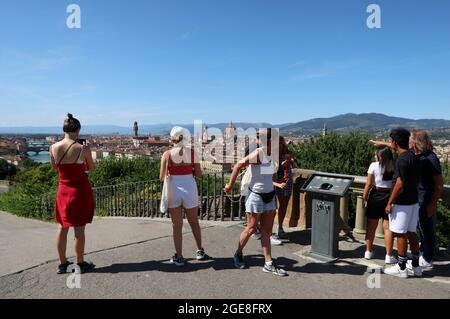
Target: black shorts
point(376, 205)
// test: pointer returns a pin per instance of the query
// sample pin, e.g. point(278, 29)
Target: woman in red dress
point(75, 205)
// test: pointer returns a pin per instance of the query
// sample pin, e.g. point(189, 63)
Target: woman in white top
point(260, 202)
point(376, 196)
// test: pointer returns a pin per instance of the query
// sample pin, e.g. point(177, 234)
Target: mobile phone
point(81, 141)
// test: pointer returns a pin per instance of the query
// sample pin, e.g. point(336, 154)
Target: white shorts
point(182, 191)
point(404, 218)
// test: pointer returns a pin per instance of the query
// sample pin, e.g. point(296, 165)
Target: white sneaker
point(275, 242)
point(390, 260)
point(414, 271)
point(368, 255)
point(396, 271)
point(425, 264)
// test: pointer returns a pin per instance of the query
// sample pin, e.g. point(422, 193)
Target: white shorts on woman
point(182, 191)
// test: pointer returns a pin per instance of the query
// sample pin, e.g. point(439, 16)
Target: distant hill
point(154, 129)
point(364, 122)
point(369, 122)
point(89, 129)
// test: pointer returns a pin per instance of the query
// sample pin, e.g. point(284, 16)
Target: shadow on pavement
point(321, 268)
point(192, 265)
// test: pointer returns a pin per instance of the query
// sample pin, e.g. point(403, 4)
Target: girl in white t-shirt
point(376, 196)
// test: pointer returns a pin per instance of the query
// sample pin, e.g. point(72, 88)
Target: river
point(42, 157)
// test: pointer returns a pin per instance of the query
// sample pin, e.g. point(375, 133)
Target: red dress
point(75, 204)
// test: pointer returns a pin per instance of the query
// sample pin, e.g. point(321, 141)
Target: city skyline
point(348, 121)
point(179, 61)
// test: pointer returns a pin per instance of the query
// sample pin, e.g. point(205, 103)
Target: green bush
point(33, 197)
point(350, 153)
point(113, 171)
point(443, 213)
point(443, 225)
point(446, 171)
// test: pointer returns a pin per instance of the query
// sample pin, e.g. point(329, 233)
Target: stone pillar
point(380, 230)
point(294, 206)
point(360, 220)
point(343, 208)
point(293, 209)
point(305, 210)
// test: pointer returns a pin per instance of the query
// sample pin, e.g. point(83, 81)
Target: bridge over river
point(37, 146)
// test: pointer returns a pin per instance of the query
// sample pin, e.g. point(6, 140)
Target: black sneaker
point(201, 255)
point(274, 269)
point(84, 267)
point(62, 268)
point(177, 261)
point(239, 260)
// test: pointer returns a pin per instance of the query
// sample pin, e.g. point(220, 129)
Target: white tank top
point(262, 176)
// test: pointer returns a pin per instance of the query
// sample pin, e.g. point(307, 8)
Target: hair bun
point(69, 116)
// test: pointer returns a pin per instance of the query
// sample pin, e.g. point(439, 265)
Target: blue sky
point(160, 61)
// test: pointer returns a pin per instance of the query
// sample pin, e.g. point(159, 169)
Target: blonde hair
point(422, 140)
point(177, 139)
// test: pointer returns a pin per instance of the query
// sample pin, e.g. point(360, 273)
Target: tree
point(7, 170)
point(446, 171)
point(349, 153)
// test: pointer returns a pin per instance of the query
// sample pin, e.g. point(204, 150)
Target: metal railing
point(142, 199)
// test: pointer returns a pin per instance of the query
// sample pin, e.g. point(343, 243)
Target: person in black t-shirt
point(403, 207)
point(430, 190)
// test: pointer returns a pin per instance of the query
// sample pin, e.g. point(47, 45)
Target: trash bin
point(326, 191)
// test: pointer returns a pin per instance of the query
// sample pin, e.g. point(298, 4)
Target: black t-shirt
point(407, 167)
point(430, 167)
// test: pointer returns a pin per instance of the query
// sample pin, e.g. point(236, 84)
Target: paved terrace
point(132, 262)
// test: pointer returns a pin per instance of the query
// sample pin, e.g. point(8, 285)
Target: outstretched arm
point(381, 143)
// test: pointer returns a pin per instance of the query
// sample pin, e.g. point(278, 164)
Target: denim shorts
point(255, 204)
